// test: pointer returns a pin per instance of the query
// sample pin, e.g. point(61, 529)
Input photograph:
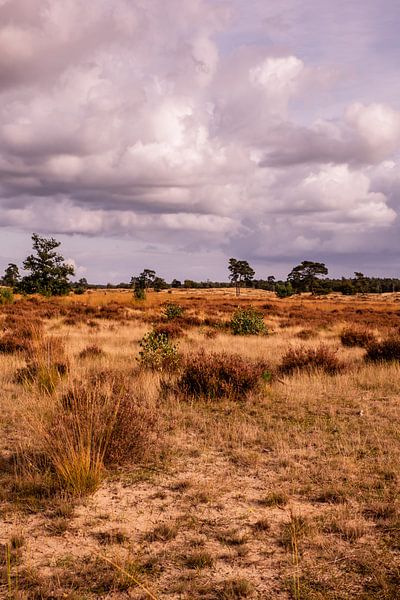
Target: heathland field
point(196, 445)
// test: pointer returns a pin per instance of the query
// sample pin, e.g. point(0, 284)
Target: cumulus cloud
point(175, 123)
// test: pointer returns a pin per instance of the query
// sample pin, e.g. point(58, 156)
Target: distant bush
point(309, 359)
point(6, 296)
point(353, 337)
point(92, 352)
point(219, 375)
point(13, 342)
point(306, 334)
point(172, 311)
point(20, 334)
point(139, 293)
point(385, 351)
point(170, 330)
point(247, 321)
point(158, 353)
point(79, 291)
point(284, 290)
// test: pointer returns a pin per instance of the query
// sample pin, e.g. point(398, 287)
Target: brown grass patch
point(303, 358)
point(219, 375)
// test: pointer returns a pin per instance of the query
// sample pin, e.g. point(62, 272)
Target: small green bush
point(284, 290)
point(248, 321)
point(158, 353)
point(6, 296)
point(385, 351)
point(220, 375)
point(172, 311)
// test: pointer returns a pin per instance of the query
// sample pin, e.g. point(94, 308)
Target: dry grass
point(124, 485)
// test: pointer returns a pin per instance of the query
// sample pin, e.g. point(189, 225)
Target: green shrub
point(172, 311)
point(139, 293)
point(247, 321)
point(6, 296)
point(284, 290)
point(219, 375)
point(310, 359)
point(385, 351)
point(158, 353)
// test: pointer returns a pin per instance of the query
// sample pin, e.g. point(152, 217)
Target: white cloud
point(279, 79)
point(377, 125)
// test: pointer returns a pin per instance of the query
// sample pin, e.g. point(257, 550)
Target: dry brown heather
point(119, 481)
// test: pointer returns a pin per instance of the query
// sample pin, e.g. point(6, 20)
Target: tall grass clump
point(96, 424)
point(47, 364)
point(220, 375)
point(303, 358)
point(247, 321)
point(385, 351)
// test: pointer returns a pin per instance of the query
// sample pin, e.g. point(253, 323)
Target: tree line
point(48, 273)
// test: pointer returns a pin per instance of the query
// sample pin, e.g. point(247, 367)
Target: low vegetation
point(247, 321)
point(304, 358)
point(357, 337)
point(386, 350)
point(220, 375)
point(168, 448)
point(157, 352)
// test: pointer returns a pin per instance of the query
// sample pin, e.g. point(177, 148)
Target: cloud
point(378, 126)
point(193, 125)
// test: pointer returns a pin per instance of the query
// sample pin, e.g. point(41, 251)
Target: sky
point(173, 135)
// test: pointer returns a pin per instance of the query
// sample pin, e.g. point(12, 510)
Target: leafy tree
point(240, 271)
point(49, 272)
point(176, 283)
point(11, 276)
point(159, 284)
point(271, 282)
point(360, 282)
point(142, 282)
point(189, 283)
point(304, 277)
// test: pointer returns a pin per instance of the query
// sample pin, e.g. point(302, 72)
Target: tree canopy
point(304, 277)
point(48, 272)
point(240, 271)
point(11, 276)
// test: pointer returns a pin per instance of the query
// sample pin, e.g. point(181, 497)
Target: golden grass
point(288, 492)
